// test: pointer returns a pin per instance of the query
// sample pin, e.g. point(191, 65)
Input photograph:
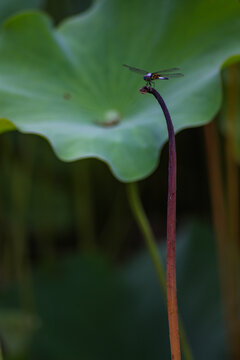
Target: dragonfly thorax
point(148, 77)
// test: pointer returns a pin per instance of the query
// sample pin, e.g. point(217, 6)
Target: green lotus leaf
point(68, 84)
point(9, 7)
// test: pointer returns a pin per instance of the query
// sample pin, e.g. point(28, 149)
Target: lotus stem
point(171, 231)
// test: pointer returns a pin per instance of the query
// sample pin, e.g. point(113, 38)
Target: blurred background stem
point(145, 228)
point(16, 259)
point(232, 96)
point(84, 208)
point(232, 182)
point(113, 235)
point(226, 245)
point(218, 213)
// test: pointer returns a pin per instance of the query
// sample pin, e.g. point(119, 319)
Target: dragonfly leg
point(150, 84)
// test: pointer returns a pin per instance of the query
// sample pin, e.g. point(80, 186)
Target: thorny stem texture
point(171, 231)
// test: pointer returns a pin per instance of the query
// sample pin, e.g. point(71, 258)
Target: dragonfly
point(149, 77)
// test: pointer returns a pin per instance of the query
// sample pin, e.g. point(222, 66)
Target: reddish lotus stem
point(171, 231)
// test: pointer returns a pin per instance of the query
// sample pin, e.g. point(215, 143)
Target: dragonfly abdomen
point(157, 76)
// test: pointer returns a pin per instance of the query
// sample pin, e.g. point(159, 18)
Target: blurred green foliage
point(90, 309)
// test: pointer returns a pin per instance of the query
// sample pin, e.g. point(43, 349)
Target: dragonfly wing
point(139, 71)
point(175, 75)
point(166, 70)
